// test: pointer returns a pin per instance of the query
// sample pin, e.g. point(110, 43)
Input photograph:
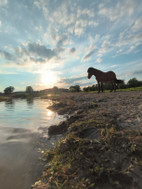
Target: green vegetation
point(30, 93)
point(79, 163)
point(75, 88)
point(132, 84)
point(131, 89)
point(8, 90)
point(29, 89)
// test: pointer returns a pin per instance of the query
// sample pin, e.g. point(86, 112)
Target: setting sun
point(49, 78)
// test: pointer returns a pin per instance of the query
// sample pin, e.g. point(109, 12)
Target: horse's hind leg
point(111, 87)
point(114, 86)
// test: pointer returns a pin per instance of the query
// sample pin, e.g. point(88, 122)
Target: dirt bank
point(102, 147)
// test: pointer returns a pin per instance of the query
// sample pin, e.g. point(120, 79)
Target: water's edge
point(23, 135)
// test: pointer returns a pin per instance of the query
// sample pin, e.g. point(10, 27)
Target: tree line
point(10, 89)
point(130, 84)
point(76, 88)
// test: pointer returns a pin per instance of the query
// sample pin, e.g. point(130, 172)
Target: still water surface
point(20, 120)
point(26, 114)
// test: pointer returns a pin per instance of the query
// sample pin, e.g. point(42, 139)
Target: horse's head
point(90, 72)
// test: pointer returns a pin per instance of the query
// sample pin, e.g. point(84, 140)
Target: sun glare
point(49, 79)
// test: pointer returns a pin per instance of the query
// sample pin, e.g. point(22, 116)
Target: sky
point(47, 43)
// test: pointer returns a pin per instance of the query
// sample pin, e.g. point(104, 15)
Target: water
point(26, 115)
point(20, 121)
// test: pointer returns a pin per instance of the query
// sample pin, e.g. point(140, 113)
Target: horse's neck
point(97, 72)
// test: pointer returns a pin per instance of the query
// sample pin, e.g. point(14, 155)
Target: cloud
point(81, 81)
point(72, 50)
point(41, 51)
point(3, 2)
point(99, 60)
point(32, 53)
point(128, 42)
point(73, 80)
point(82, 24)
point(138, 72)
point(116, 11)
point(71, 16)
point(7, 55)
point(62, 40)
point(137, 25)
point(91, 51)
point(37, 60)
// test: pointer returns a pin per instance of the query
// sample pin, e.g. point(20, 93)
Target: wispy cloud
point(99, 60)
point(3, 2)
point(116, 11)
point(90, 52)
point(6, 55)
point(137, 25)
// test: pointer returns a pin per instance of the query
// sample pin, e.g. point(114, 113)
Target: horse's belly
point(106, 79)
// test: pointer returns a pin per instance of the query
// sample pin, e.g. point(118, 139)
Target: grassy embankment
point(131, 89)
point(95, 152)
point(124, 90)
point(24, 95)
point(20, 95)
point(4, 98)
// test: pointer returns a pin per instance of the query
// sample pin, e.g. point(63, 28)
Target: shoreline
point(102, 144)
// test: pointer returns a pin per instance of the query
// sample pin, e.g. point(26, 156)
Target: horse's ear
point(88, 70)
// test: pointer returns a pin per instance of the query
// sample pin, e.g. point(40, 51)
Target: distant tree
point(122, 85)
point(90, 88)
point(75, 88)
point(134, 83)
point(55, 89)
point(29, 89)
point(8, 90)
point(85, 89)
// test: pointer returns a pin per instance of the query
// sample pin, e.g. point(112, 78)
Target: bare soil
point(102, 143)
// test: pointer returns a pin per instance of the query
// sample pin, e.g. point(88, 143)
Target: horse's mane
point(94, 69)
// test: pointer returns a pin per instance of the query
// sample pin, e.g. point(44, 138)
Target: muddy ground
point(101, 147)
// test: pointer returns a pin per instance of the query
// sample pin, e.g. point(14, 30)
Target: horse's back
point(107, 76)
point(110, 73)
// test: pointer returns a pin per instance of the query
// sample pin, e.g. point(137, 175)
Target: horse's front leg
point(98, 87)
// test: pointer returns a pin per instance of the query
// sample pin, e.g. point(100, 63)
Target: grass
point(128, 89)
point(131, 89)
point(21, 95)
point(78, 163)
point(110, 159)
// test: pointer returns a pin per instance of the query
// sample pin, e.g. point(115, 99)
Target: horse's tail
point(119, 81)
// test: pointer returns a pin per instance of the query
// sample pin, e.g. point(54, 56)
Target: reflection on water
point(26, 114)
point(20, 138)
point(30, 102)
point(9, 105)
point(26, 117)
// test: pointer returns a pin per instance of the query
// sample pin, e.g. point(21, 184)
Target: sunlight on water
point(26, 114)
point(20, 140)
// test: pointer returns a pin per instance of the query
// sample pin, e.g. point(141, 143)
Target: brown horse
point(104, 77)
